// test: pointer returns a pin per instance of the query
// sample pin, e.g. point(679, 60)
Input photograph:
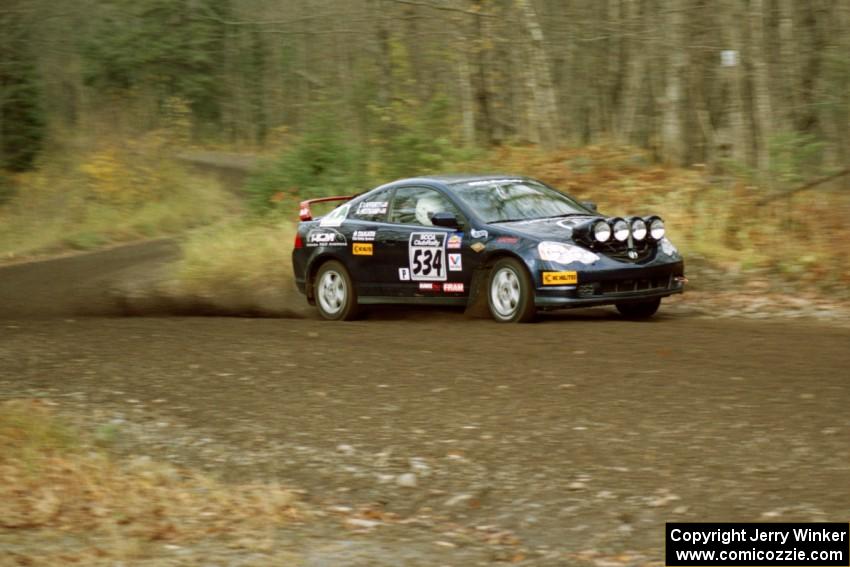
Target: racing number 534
point(427, 256)
point(425, 261)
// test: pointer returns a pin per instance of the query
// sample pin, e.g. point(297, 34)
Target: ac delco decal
point(361, 248)
point(560, 278)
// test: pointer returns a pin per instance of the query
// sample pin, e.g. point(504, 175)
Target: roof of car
point(455, 178)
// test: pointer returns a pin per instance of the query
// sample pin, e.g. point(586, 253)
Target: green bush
point(795, 157)
point(7, 189)
point(321, 163)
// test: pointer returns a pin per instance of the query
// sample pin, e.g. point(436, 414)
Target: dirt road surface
point(579, 435)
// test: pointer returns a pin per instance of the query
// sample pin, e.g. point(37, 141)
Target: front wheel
point(640, 310)
point(510, 293)
point(334, 292)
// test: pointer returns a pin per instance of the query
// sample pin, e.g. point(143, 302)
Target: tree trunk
point(543, 108)
point(761, 90)
point(634, 69)
point(467, 101)
point(739, 138)
point(672, 131)
point(789, 63)
point(483, 48)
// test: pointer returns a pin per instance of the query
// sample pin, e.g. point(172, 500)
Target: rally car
point(510, 242)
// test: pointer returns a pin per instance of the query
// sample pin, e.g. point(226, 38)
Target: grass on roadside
point(112, 192)
point(237, 267)
point(236, 257)
point(56, 484)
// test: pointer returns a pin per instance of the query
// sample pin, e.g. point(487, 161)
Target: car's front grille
point(624, 286)
point(640, 252)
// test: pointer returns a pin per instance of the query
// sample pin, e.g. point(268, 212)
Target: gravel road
point(572, 440)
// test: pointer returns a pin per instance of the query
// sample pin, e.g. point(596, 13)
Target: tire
point(510, 292)
point(334, 291)
point(641, 310)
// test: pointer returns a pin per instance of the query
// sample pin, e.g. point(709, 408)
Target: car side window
point(373, 208)
point(416, 205)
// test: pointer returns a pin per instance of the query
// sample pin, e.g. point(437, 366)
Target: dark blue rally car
point(506, 241)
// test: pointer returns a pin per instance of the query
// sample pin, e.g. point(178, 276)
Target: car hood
point(547, 229)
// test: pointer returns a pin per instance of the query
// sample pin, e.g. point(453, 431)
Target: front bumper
point(606, 287)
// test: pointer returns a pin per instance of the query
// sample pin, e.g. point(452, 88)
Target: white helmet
point(426, 207)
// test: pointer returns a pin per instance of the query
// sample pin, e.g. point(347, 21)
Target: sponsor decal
point(493, 182)
point(325, 237)
point(560, 278)
point(336, 217)
point(455, 241)
point(404, 274)
point(478, 233)
point(363, 236)
point(427, 255)
point(453, 287)
point(429, 286)
point(507, 239)
point(361, 248)
point(455, 264)
point(372, 208)
point(477, 247)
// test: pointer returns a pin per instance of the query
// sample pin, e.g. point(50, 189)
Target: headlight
point(621, 230)
point(668, 248)
point(638, 229)
point(601, 231)
point(565, 253)
point(656, 229)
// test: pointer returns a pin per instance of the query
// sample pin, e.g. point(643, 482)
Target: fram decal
point(361, 248)
point(560, 278)
point(363, 236)
point(478, 233)
point(454, 241)
point(455, 264)
point(453, 287)
point(325, 237)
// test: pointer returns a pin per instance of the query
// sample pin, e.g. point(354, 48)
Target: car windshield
point(506, 200)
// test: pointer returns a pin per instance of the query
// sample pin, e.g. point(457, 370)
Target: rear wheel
point(510, 293)
point(640, 310)
point(334, 292)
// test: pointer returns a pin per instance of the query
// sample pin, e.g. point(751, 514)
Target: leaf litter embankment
point(82, 504)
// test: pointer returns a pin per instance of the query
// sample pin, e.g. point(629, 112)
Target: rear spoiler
point(306, 214)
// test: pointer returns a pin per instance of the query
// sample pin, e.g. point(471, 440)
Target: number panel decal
point(427, 252)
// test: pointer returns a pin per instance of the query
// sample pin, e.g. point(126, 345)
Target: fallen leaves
point(48, 482)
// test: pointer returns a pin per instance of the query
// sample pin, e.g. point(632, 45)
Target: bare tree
point(542, 108)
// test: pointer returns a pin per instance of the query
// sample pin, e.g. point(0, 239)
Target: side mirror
point(446, 220)
point(589, 205)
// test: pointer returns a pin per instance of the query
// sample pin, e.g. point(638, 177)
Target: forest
point(693, 81)
point(343, 94)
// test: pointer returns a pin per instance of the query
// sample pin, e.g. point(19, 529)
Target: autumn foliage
point(54, 478)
